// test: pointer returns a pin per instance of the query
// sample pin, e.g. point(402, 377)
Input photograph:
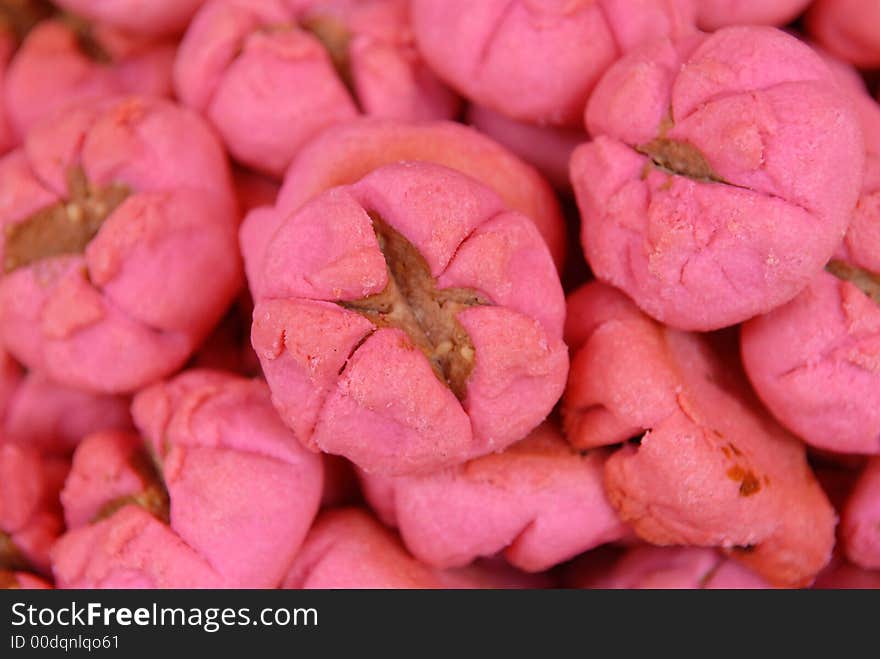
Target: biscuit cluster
point(439, 294)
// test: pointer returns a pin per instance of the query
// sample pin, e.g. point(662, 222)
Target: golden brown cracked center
point(412, 303)
point(865, 281)
point(66, 227)
point(679, 158)
point(153, 497)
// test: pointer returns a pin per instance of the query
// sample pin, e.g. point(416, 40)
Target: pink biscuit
point(53, 418)
point(860, 523)
point(537, 60)
point(714, 14)
point(540, 502)
point(269, 74)
point(347, 548)
point(711, 468)
point(58, 65)
point(30, 514)
point(715, 192)
point(115, 310)
point(815, 361)
point(151, 18)
point(345, 153)
point(674, 567)
point(222, 495)
point(847, 28)
point(344, 345)
point(548, 148)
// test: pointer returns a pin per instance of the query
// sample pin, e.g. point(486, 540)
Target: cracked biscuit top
point(103, 211)
point(440, 313)
point(707, 466)
point(723, 172)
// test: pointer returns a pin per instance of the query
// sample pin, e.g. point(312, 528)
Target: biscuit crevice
point(65, 227)
point(412, 303)
point(867, 282)
point(153, 497)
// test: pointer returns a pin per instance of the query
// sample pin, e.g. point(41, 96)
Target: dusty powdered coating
point(708, 466)
point(722, 175)
point(814, 361)
point(480, 298)
point(148, 257)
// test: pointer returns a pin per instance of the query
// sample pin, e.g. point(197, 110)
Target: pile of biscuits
point(439, 294)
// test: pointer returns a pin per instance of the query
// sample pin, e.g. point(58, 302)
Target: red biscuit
point(711, 468)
